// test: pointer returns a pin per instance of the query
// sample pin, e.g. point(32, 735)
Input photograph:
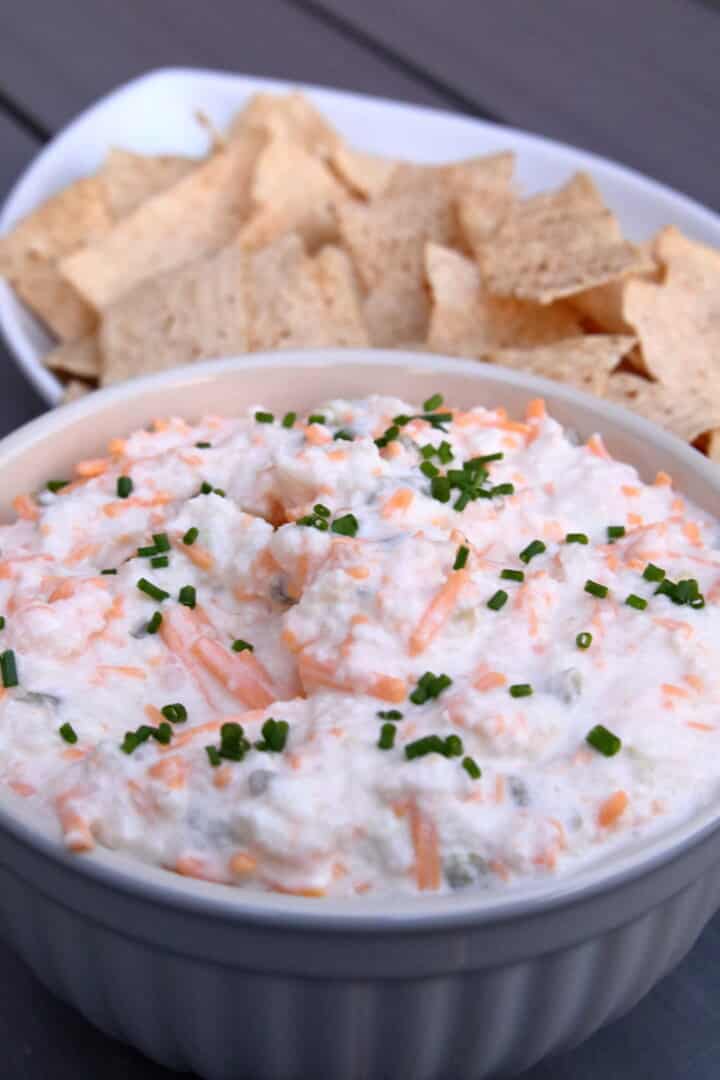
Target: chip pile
point(285, 236)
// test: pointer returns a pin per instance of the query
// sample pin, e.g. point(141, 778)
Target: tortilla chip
point(365, 175)
point(74, 390)
point(556, 244)
point(290, 117)
point(195, 312)
point(130, 178)
point(198, 215)
point(583, 362)
point(688, 415)
point(678, 319)
point(80, 358)
point(387, 240)
point(303, 302)
point(467, 320)
point(488, 172)
point(292, 192)
point(28, 255)
point(603, 305)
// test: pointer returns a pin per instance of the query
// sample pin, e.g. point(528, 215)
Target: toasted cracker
point(303, 302)
point(466, 320)
point(131, 178)
point(287, 116)
point(79, 358)
point(584, 362)
point(292, 191)
point(366, 175)
point(689, 414)
point(199, 214)
point(74, 390)
point(29, 254)
point(678, 319)
point(556, 244)
point(603, 305)
point(195, 312)
point(490, 172)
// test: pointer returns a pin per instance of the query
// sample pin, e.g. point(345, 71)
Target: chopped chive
point(390, 714)
point(316, 418)
point(428, 469)
point(159, 562)
point(124, 486)
point(57, 485)
point(595, 589)
point(584, 640)
point(152, 590)
point(2, 622)
point(536, 547)
point(428, 744)
point(176, 713)
point(321, 510)
point(220, 492)
point(638, 602)
point(576, 538)
point(162, 542)
point(233, 744)
point(453, 746)
point(205, 488)
point(445, 453)
point(191, 536)
point(347, 525)
point(289, 419)
point(437, 419)
point(503, 489)
point(68, 733)
point(429, 686)
point(482, 459)
point(187, 596)
point(512, 575)
point(472, 768)
point(264, 417)
point(603, 740)
point(614, 532)
point(520, 690)
point(433, 402)
point(154, 624)
point(386, 739)
point(162, 733)
point(213, 756)
point(130, 742)
point(110, 570)
point(498, 600)
point(242, 646)
point(275, 733)
point(461, 557)
point(428, 451)
point(147, 552)
point(344, 435)
point(401, 420)
point(653, 572)
point(440, 488)
point(461, 502)
point(203, 445)
point(8, 668)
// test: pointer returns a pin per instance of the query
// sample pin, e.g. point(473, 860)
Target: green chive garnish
point(147, 552)
point(187, 596)
point(175, 713)
point(57, 485)
point(162, 542)
point(264, 417)
point(638, 602)
point(316, 418)
point(203, 445)
point(484, 458)
point(386, 739)
point(8, 668)
point(614, 532)
point(429, 686)
point(242, 646)
point(584, 640)
point(503, 489)
point(191, 536)
point(512, 575)
point(152, 590)
point(603, 740)
point(390, 714)
point(440, 489)
point(108, 571)
point(472, 768)
point(576, 538)
point(461, 558)
point(213, 756)
point(444, 453)
point(520, 690)
point(205, 488)
point(347, 525)
point(344, 435)
point(433, 402)
point(68, 733)
point(596, 589)
point(536, 547)
point(275, 733)
point(453, 746)
point(154, 624)
point(289, 419)
point(162, 733)
point(2, 622)
point(321, 510)
point(124, 486)
point(497, 600)
point(428, 469)
point(159, 562)
point(233, 744)
point(653, 572)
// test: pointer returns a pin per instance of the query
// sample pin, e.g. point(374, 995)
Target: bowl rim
point(398, 912)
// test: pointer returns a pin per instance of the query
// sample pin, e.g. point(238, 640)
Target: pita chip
point(367, 176)
point(195, 312)
point(199, 214)
point(583, 362)
point(490, 172)
point(290, 117)
point(556, 244)
point(689, 415)
point(80, 358)
point(29, 254)
point(131, 178)
point(74, 390)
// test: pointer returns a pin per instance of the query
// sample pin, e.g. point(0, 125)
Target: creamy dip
point(378, 649)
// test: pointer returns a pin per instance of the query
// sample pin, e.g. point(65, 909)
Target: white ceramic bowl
point(154, 115)
point(199, 976)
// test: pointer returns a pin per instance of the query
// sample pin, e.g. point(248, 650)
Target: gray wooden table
point(638, 80)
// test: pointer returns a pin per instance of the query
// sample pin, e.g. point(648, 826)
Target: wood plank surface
point(636, 80)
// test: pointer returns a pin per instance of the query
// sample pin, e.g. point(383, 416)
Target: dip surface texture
point(379, 649)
